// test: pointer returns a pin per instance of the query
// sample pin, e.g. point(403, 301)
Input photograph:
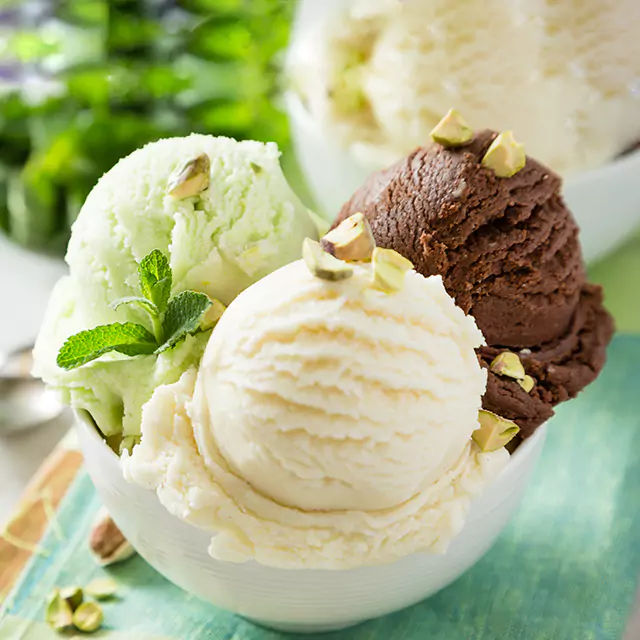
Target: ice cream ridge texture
point(508, 250)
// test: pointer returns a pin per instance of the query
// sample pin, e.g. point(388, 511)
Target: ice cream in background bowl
point(370, 79)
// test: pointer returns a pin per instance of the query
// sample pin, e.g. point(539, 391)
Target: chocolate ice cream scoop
point(560, 368)
point(507, 248)
point(508, 251)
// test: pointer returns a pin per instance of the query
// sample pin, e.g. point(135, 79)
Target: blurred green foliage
point(86, 82)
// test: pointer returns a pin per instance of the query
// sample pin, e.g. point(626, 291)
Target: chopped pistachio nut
point(452, 130)
point(322, 264)
point(73, 595)
point(389, 269)
point(212, 314)
point(351, 240)
point(527, 383)
point(58, 615)
point(505, 156)
point(107, 542)
point(494, 432)
point(508, 364)
point(191, 179)
point(102, 588)
point(88, 617)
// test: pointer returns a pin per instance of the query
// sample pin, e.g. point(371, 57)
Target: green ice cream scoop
point(220, 234)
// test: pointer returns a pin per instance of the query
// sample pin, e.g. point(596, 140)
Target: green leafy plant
point(171, 319)
point(114, 75)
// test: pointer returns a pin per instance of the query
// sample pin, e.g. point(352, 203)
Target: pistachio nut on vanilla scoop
point(330, 422)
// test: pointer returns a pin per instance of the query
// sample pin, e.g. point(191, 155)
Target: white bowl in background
point(605, 201)
point(302, 601)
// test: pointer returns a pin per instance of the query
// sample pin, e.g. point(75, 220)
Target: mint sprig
point(129, 338)
point(171, 319)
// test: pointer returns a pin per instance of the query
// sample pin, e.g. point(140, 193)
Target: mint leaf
point(143, 303)
point(155, 277)
point(172, 319)
point(128, 338)
point(183, 316)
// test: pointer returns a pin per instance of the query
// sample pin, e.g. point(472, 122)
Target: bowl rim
point(516, 459)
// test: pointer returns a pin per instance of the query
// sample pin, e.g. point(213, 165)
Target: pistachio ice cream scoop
point(223, 214)
point(330, 422)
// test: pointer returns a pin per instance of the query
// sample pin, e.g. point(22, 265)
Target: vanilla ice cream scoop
point(329, 424)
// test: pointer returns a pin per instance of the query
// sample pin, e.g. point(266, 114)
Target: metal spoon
point(25, 402)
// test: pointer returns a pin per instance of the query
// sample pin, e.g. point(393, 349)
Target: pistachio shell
point(102, 588)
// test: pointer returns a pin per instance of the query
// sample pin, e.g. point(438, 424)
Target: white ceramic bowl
point(604, 201)
point(298, 600)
